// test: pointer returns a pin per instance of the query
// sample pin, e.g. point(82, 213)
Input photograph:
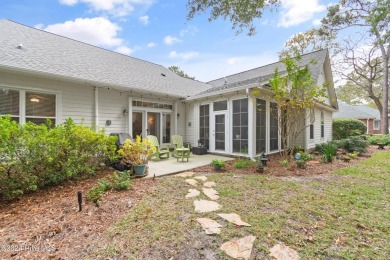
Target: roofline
point(101, 48)
point(261, 66)
point(83, 81)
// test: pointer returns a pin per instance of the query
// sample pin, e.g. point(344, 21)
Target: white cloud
point(144, 20)
point(151, 45)
point(170, 40)
point(124, 50)
point(96, 31)
point(295, 12)
point(118, 8)
point(183, 55)
point(191, 30)
point(317, 22)
point(39, 26)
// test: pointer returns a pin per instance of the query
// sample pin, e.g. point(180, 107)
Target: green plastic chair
point(183, 152)
point(161, 153)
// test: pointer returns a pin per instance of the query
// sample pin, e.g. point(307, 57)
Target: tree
point(352, 94)
point(241, 13)
point(309, 41)
point(178, 71)
point(295, 96)
point(373, 17)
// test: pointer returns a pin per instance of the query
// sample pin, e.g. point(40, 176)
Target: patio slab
point(172, 166)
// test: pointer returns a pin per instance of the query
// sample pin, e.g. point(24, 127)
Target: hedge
point(345, 128)
point(34, 156)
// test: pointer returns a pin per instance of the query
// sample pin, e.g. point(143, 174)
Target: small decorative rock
point(209, 184)
point(210, 226)
point(202, 206)
point(202, 178)
point(235, 219)
point(129, 203)
point(192, 193)
point(185, 174)
point(283, 252)
point(239, 248)
point(210, 193)
point(192, 182)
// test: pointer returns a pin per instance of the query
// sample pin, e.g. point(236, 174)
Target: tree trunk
point(385, 108)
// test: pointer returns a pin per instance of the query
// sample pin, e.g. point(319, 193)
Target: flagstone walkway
point(237, 248)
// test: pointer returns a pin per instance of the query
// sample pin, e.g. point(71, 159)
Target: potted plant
point(137, 153)
point(218, 164)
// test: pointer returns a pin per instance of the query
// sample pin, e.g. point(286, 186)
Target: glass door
point(220, 133)
point(153, 125)
point(137, 124)
point(166, 128)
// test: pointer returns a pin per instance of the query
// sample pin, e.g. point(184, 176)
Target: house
point(47, 76)
point(368, 115)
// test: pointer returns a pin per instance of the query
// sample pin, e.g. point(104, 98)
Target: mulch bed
point(274, 168)
point(47, 224)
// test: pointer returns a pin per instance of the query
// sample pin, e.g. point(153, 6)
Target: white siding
point(191, 123)
point(181, 122)
point(317, 128)
point(111, 105)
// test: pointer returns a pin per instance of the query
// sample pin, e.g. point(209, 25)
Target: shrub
point(284, 163)
point(328, 150)
point(301, 163)
point(95, 194)
point(379, 139)
point(34, 156)
point(355, 143)
point(243, 164)
point(344, 128)
point(220, 163)
point(121, 180)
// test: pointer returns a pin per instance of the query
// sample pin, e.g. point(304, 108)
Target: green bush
point(355, 144)
point(328, 150)
point(121, 180)
point(34, 156)
point(345, 128)
point(95, 194)
point(243, 164)
point(379, 139)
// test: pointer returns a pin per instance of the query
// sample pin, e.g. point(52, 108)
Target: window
point(220, 105)
point(40, 107)
point(240, 126)
point(166, 128)
point(137, 103)
point(204, 125)
point(322, 124)
point(274, 127)
point(377, 124)
point(312, 119)
point(260, 125)
point(10, 103)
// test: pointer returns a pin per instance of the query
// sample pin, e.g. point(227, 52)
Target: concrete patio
point(172, 166)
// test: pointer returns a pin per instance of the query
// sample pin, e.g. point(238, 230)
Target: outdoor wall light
point(125, 112)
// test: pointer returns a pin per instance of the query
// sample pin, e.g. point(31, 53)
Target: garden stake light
point(80, 199)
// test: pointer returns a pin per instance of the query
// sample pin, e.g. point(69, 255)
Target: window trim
point(22, 101)
point(379, 124)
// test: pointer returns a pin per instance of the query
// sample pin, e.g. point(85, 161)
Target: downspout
point(368, 124)
point(252, 127)
point(96, 93)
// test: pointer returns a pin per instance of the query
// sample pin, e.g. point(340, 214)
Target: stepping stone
point(192, 193)
point(185, 174)
point(209, 184)
point(283, 252)
point(210, 226)
point(239, 248)
point(211, 193)
point(192, 182)
point(235, 219)
point(202, 206)
point(202, 178)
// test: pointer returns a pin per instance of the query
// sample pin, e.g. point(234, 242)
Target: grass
point(341, 215)
point(243, 164)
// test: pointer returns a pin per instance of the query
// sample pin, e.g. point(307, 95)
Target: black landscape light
point(80, 199)
point(264, 159)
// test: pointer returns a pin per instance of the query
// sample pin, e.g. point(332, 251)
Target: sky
point(158, 31)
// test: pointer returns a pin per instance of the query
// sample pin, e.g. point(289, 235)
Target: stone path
point(237, 248)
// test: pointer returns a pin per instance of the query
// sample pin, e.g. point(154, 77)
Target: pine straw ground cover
point(320, 213)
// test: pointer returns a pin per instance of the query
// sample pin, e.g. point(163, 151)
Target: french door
point(219, 133)
point(152, 123)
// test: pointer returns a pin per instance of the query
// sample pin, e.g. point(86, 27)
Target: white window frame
point(22, 102)
point(379, 124)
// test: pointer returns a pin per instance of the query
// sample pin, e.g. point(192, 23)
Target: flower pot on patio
point(139, 169)
point(217, 167)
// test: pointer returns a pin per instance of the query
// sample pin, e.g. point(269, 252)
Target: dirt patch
point(47, 224)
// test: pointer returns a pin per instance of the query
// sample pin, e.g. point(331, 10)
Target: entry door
point(138, 124)
point(153, 124)
point(219, 132)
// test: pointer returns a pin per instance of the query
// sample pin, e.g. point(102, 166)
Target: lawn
point(342, 215)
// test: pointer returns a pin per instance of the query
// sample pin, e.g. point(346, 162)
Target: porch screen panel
point(240, 126)
point(9, 103)
point(204, 125)
point(260, 125)
point(274, 127)
point(40, 107)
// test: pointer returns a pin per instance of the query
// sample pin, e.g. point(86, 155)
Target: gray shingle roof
point(263, 73)
point(356, 111)
point(60, 56)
